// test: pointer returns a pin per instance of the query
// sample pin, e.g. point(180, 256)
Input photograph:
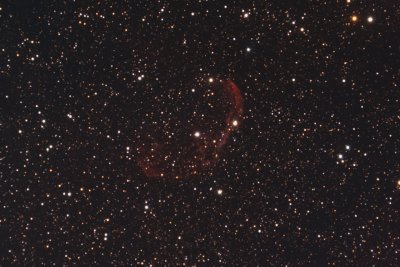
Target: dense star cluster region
point(200, 133)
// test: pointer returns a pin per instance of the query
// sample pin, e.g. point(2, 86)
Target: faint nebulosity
point(192, 133)
point(199, 133)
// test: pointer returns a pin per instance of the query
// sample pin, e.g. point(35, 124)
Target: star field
point(199, 133)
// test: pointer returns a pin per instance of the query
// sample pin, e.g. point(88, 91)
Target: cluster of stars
point(199, 134)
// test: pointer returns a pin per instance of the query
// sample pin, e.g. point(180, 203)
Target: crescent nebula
point(193, 137)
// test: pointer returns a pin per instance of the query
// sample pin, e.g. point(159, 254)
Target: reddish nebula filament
point(196, 146)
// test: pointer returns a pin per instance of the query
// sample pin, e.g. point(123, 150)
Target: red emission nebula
point(194, 131)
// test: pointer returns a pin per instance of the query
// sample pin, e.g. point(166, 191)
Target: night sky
point(199, 133)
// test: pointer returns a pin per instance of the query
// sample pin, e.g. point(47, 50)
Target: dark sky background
point(308, 177)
